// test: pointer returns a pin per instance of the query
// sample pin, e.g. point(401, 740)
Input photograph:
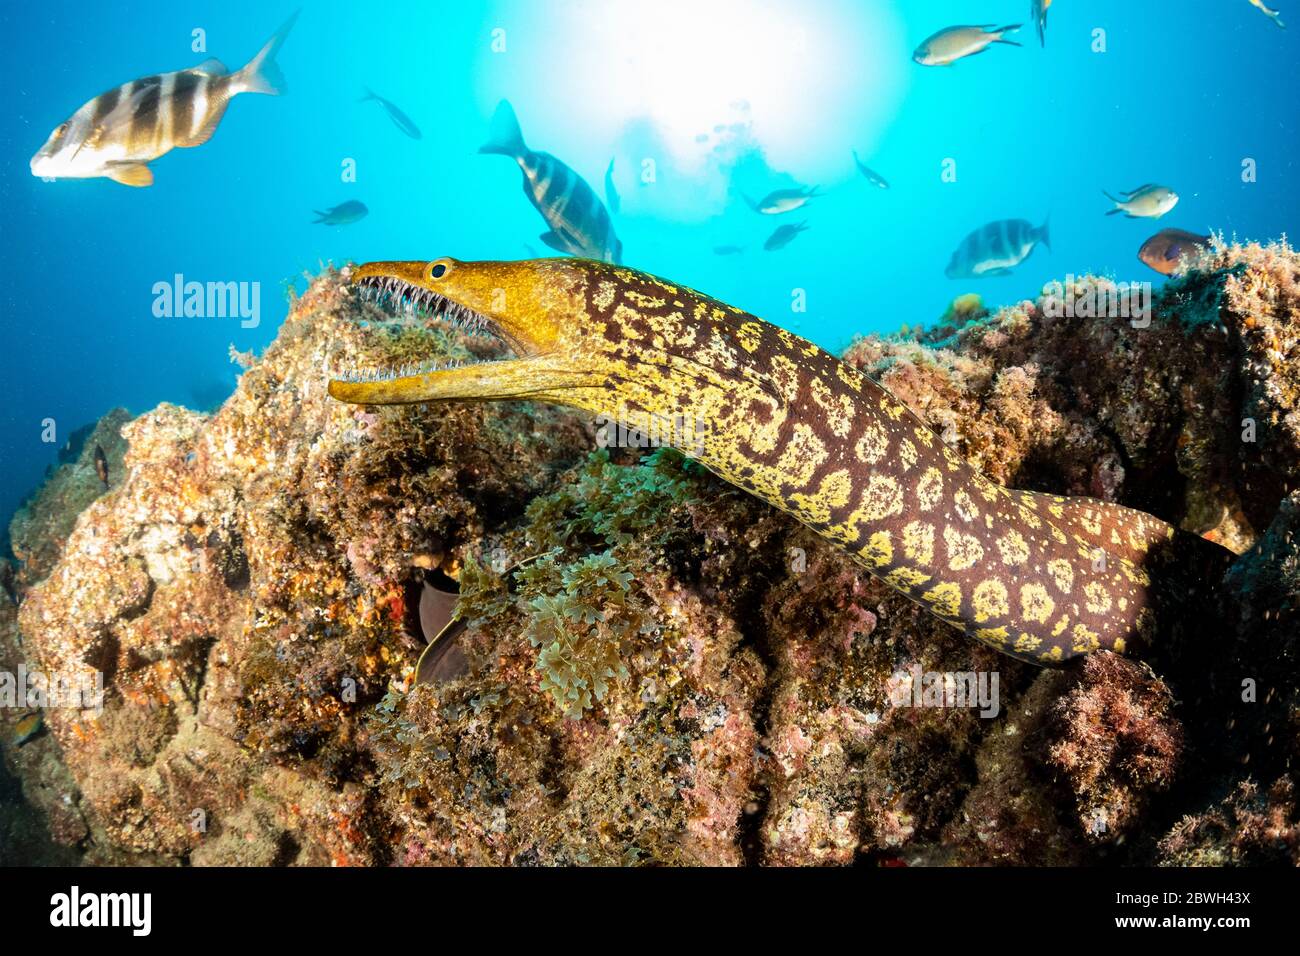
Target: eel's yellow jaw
point(534, 306)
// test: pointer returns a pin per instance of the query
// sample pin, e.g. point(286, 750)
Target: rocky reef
point(659, 668)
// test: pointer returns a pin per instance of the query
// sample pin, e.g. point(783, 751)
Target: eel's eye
point(439, 269)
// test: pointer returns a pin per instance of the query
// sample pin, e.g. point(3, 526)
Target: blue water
point(696, 101)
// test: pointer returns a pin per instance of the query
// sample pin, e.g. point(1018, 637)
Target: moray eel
point(1039, 577)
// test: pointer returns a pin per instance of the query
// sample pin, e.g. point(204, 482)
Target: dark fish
point(342, 214)
point(27, 729)
point(119, 132)
point(996, 249)
point(783, 200)
point(727, 250)
point(611, 194)
point(101, 465)
point(1165, 250)
point(400, 119)
point(443, 659)
point(872, 177)
point(580, 224)
point(1038, 14)
point(783, 235)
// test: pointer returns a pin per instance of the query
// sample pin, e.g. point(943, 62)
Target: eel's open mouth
point(399, 296)
point(470, 299)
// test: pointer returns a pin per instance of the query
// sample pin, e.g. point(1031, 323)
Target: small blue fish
point(871, 175)
point(400, 119)
point(342, 214)
point(728, 250)
point(783, 236)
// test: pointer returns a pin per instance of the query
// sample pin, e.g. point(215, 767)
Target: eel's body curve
point(1039, 577)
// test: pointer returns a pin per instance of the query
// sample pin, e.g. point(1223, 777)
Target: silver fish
point(400, 119)
point(784, 235)
point(1274, 15)
point(872, 176)
point(1145, 202)
point(119, 132)
point(951, 44)
point(1038, 14)
point(344, 213)
point(611, 194)
point(996, 249)
point(580, 224)
point(783, 200)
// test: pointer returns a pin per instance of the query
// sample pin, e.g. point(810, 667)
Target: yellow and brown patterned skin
point(1039, 577)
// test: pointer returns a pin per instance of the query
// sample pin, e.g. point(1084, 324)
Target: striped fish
point(118, 133)
point(996, 249)
point(580, 224)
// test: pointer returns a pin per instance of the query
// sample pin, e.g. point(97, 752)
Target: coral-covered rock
point(42, 525)
point(658, 668)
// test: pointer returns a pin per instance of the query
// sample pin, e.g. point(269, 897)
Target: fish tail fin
point(320, 216)
point(1045, 233)
point(1008, 29)
point(749, 202)
point(1115, 201)
point(262, 74)
point(505, 136)
point(370, 95)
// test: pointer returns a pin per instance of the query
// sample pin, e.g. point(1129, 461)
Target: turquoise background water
point(697, 102)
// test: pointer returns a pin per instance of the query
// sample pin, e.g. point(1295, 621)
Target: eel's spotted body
point(1039, 577)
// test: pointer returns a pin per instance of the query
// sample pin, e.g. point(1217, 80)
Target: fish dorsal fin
point(211, 66)
point(1143, 188)
point(130, 174)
